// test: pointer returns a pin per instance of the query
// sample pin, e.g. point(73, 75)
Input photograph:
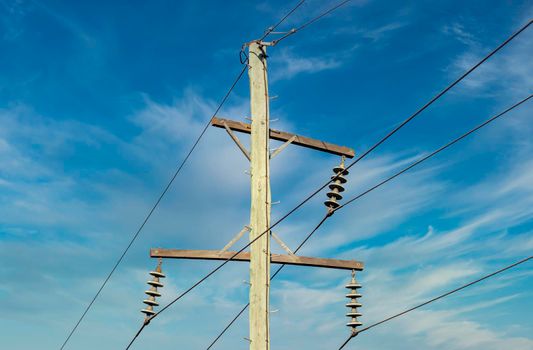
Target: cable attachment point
point(152, 292)
point(243, 57)
point(336, 187)
point(353, 304)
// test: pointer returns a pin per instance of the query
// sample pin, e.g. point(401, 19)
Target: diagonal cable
point(163, 193)
point(412, 165)
point(273, 28)
point(437, 151)
point(308, 23)
point(271, 278)
point(396, 129)
point(508, 267)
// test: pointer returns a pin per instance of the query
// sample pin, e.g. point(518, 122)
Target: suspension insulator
point(353, 305)
point(336, 186)
point(152, 292)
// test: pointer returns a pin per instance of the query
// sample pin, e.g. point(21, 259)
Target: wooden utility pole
point(259, 156)
point(261, 199)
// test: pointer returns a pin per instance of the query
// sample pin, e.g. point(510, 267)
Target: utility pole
point(260, 256)
point(260, 199)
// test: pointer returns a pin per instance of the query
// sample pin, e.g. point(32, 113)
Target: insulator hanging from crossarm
point(336, 186)
point(353, 305)
point(153, 293)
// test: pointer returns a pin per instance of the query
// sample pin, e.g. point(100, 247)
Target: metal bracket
point(237, 141)
point(282, 147)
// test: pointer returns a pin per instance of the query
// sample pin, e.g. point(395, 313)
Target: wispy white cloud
point(11, 23)
point(380, 32)
point(289, 65)
point(416, 266)
point(508, 73)
point(458, 31)
point(412, 267)
point(442, 331)
point(374, 34)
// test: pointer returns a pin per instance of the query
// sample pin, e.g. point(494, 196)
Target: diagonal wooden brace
point(236, 238)
point(282, 147)
point(281, 243)
point(237, 141)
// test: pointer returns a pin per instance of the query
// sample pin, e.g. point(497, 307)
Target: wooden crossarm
point(285, 136)
point(245, 256)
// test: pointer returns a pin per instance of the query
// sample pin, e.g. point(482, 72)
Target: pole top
point(259, 43)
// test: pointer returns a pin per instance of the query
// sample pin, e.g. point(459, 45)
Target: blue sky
point(100, 100)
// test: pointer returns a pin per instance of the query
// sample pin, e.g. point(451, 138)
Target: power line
point(149, 319)
point(294, 30)
point(242, 54)
point(271, 278)
point(165, 190)
point(273, 28)
point(406, 121)
point(423, 159)
point(471, 131)
point(508, 267)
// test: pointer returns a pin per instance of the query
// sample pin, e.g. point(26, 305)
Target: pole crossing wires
point(153, 208)
point(308, 23)
point(271, 278)
point(269, 30)
point(412, 165)
point(309, 197)
point(283, 19)
point(508, 267)
point(406, 121)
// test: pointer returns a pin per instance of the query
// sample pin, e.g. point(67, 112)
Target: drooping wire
point(508, 267)
point(412, 165)
point(333, 178)
point(163, 193)
point(294, 30)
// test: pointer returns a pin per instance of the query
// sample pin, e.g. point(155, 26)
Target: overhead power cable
point(273, 28)
point(163, 193)
point(508, 267)
point(432, 154)
point(412, 165)
point(271, 278)
point(269, 30)
point(308, 23)
point(149, 319)
point(396, 129)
